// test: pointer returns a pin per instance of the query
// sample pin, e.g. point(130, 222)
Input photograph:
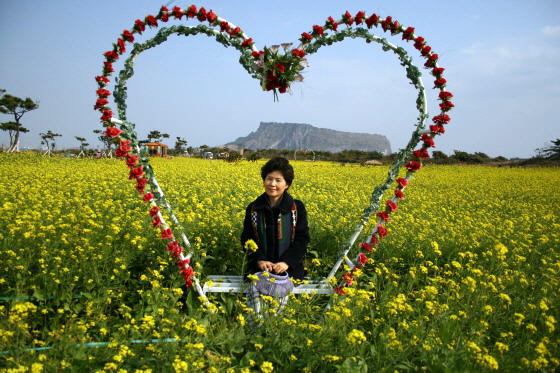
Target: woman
point(277, 223)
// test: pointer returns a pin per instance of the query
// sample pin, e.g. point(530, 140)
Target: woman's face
point(274, 184)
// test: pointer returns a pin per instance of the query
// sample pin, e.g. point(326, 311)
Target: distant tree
point(436, 154)
point(180, 144)
point(16, 107)
point(49, 136)
point(82, 141)
point(253, 157)
point(12, 128)
point(233, 156)
point(552, 150)
point(154, 135)
point(500, 159)
point(157, 136)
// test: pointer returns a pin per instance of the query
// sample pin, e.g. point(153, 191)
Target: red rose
point(247, 43)
point(107, 68)
point(283, 88)
point(177, 12)
point(148, 197)
point(428, 140)
point(402, 182)
point(280, 67)
point(306, 37)
point(331, 23)
point(127, 35)
point(298, 53)
point(366, 246)
point(165, 17)
point(408, 33)
point(432, 60)
point(121, 46)
point(440, 83)
point(154, 211)
point(384, 216)
point(438, 128)
point(112, 132)
point(395, 28)
point(421, 153)
point(131, 160)
point(175, 250)
point(103, 93)
point(360, 17)
point(224, 26)
point(419, 42)
point(211, 17)
point(437, 71)
point(444, 95)
point(167, 234)
point(100, 103)
point(120, 154)
point(392, 206)
point(413, 166)
point(235, 32)
point(363, 259)
point(111, 56)
point(348, 278)
point(399, 194)
point(188, 283)
point(373, 20)
point(202, 14)
point(425, 50)
point(187, 272)
point(385, 24)
point(340, 290)
point(102, 80)
point(139, 26)
point(183, 262)
point(163, 14)
point(381, 231)
point(156, 222)
point(191, 11)
point(141, 184)
point(347, 18)
point(446, 106)
point(124, 145)
point(318, 30)
point(441, 119)
point(374, 240)
point(136, 172)
point(151, 21)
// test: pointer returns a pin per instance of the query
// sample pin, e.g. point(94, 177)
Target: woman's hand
point(265, 265)
point(280, 267)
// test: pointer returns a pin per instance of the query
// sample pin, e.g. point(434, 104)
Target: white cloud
point(551, 31)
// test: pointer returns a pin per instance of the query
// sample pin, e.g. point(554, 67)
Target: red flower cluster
point(123, 149)
point(174, 248)
point(186, 270)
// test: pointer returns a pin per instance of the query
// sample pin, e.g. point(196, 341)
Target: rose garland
point(276, 71)
point(319, 36)
point(136, 159)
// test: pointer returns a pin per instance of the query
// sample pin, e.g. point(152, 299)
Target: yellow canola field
point(467, 277)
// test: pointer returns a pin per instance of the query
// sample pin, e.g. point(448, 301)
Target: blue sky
point(501, 60)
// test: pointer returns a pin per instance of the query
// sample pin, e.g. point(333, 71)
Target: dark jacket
point(295, 253)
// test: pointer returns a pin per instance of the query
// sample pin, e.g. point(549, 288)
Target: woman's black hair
point(279, 164)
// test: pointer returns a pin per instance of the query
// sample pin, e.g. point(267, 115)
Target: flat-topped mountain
point(301, 136)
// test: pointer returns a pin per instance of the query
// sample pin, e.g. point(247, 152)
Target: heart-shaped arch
point(276, 71)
